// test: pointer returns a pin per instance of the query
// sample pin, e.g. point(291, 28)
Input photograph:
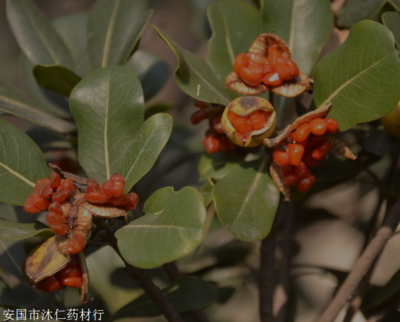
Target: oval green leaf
point(194, 76)
point(140, 157)
point(57, 78)
point(15, 103)
point(152, 71)
point(107, 106)
point(114, 30)
point(170, 229)
point(21, 164)
point(73, 29)
point(357, 10)
point(304, 24)
point(188, 293)
point(232, 34)
point(391, 20)
point(17, 231)
point(34, 90)
point(217, 165)
point(246, 201)
point(361, 77)
point(35, 34)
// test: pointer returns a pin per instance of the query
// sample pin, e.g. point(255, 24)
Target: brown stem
point(363, 264)
point(267, 276)
point(141, 278)
point(281, 299)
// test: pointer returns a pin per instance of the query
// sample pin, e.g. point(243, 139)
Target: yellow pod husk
point(244, 106)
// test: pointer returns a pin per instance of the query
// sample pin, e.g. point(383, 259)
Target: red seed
point(118, 185)
point(56, 207)
point(61, 195)
point(133, 201)
point(259, 119)
point(241, 60)
point(200, 104)
point(290, 179)
point(55, 180)
point(273, 55)
point(306, 183)
point(66, 184)
point(76, 244)
point(97, 197)
point(318, 126)
point(281, 157)
point(216, 124)
point(70, 270)
point(272, 79)
point(251, 77)
point(321, 151)
point(198, 116)
point(286, 68)
point(39, 183)
point(302, 133)
point(240, 123)
point(57, 224)
point(286, 169)
point(51, 284)
point(256, 59)
point(333, 126)
point(35, 203)
point(92, 185)
point(45, 191)
point(301, 171)
point(211, 144)
point(75, 282)
point(309, 161)
point(314, 141)
point(296, 152)
point(120, 201)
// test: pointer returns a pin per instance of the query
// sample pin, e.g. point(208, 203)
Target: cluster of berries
point(71, 276)
point(245, 125)
point(305, 147)
point(215, 139)
point(111, 192)
point(273, 70)
point(46, 190)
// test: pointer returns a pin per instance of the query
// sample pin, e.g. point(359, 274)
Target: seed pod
point(244, 107)
point(260, 45)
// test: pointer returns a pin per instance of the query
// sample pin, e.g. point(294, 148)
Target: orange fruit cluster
point(71, 276)
point(305, 147)
point(111, 192)
point(215, 139)
point(272, 70)
point(244, 125)
point(47, 190)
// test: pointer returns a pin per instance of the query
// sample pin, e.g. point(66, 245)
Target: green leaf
point(194, 76)
point(107, 106)
point(15, 103)
point(246, 201)
point(21, 164)
point(206, 191)
point(17, 231)
point(391, 20)
point(188, 293)
point(232, 34)
point(217, 165)
point(360, 77)
point(304, 24)
point(357, 10)
point(140, 157)
point(34, 90)
point(152, 71)
point(57, 78)
point(73, 29)
point(35, 34)
point(156, 108)
point(170, 229)
point(114, 30)
point(395, 4)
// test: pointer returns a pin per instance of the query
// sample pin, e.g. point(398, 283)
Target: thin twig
point(141, 278)
point(267, 276)
point(363, 264)
point(281, 298)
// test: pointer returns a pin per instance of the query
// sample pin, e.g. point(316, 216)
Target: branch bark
point(363, 264)
point(267, 276)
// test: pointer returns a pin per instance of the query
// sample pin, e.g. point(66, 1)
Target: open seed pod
point(244, 107)
point(46, 261)
point(337, 146)
point(260, 45)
